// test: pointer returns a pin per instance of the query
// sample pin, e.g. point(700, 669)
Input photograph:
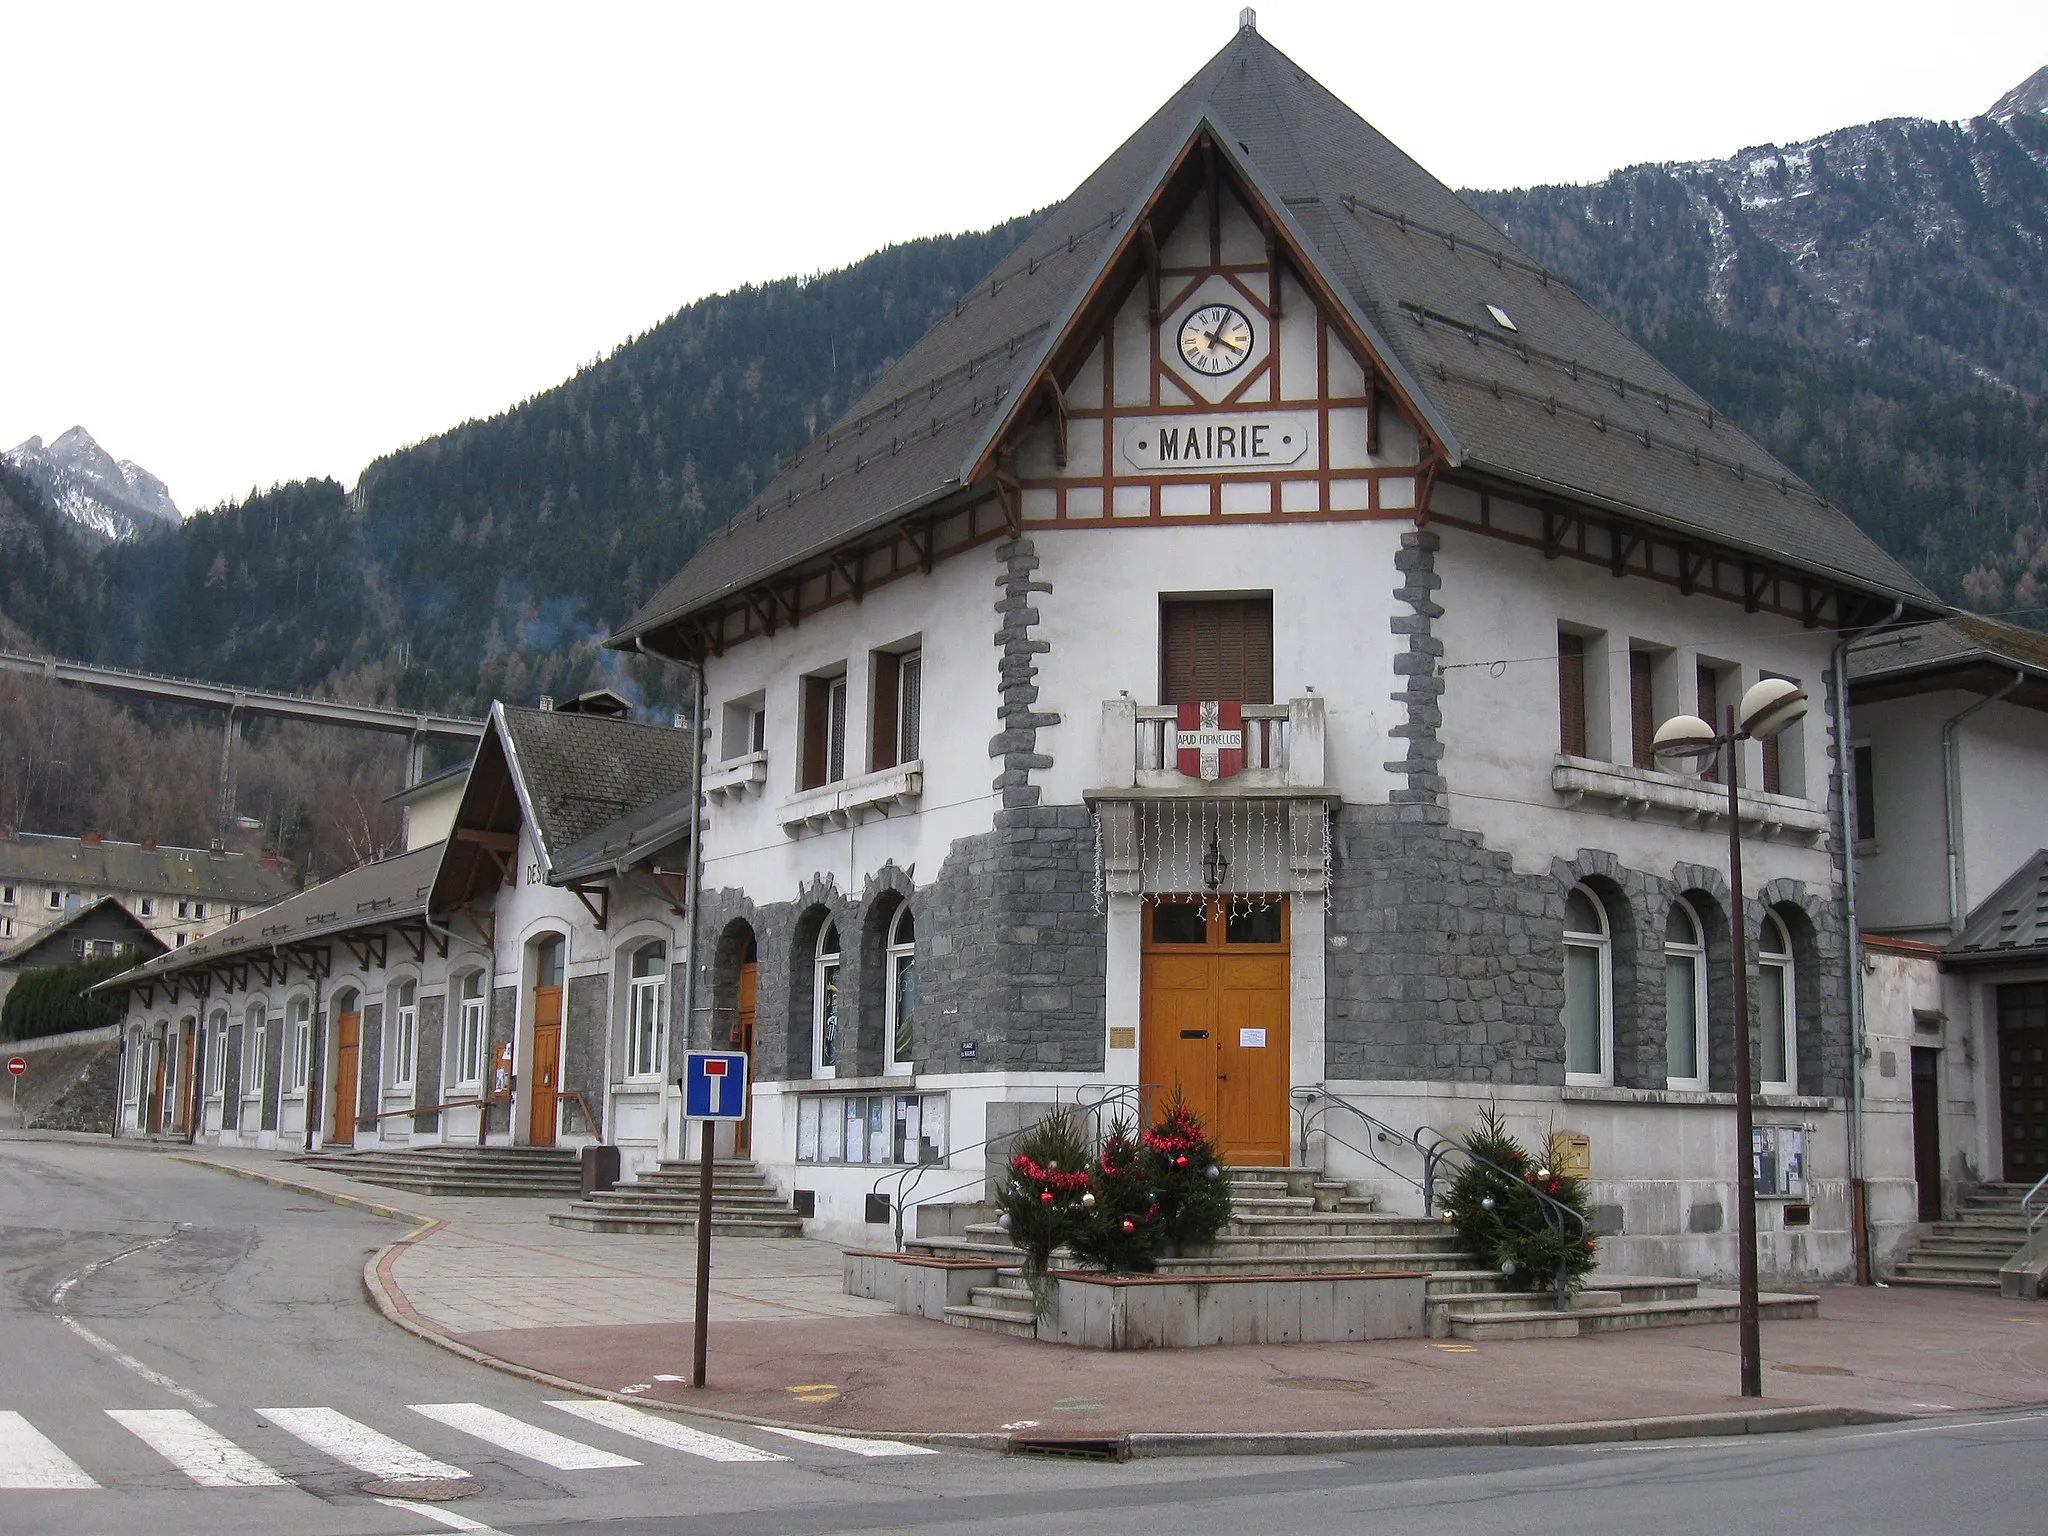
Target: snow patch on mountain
point(107, 498)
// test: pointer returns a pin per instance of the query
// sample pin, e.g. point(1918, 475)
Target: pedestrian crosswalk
point(210, 1454)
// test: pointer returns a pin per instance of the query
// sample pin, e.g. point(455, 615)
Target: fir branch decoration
point(1120, 1227)
point(1041, 1199)
point(1186, 1171)
point(1498, 1214)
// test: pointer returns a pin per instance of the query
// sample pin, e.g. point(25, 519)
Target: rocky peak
point(105, 497)
point(2030, 95)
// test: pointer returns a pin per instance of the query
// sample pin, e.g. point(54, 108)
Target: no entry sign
point(16, 1065)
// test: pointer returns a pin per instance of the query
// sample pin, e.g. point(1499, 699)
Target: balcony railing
point(1283, 749)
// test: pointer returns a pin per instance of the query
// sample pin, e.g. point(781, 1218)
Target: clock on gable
point(1216, 339)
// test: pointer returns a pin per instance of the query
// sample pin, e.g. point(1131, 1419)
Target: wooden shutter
point(1571, 694)
point(1642, 705)
point(882, 738)
point(1709, 693)
point(1216, 648)
point(817, 729)
point(1774, 770)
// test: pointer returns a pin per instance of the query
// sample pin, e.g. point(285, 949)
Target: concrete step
point(580, 1220)
point(1334, 1263)
point(1948, 1282)
point(1018, 1325)
point(1709, 1306)
point(1919, 1272)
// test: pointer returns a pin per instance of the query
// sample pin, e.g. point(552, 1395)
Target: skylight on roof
point(1500, 318)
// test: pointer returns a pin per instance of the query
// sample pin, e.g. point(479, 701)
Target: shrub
point(1119, 1226)
point(58, 1000)
point(1042, 1196)
point(1498, 1213)
point(1183, 1166)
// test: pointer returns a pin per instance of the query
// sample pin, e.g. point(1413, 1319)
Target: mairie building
point(1222, 656)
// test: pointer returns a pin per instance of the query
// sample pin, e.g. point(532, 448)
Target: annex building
point(1223, 654)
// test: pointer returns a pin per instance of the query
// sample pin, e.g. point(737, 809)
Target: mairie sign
point(714, 1085)
point(1216, 441)
point(1209, 739)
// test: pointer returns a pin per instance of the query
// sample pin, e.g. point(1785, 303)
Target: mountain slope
point(107, 499)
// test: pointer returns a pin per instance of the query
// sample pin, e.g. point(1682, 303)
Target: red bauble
point(1181, 1161)
point(1046, 1198)
point(1130, 1226)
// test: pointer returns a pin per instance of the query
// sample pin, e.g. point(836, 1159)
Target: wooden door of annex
point(743, 1041)
point(348, 1050)
point(543, 1112)
point(1213, 1019)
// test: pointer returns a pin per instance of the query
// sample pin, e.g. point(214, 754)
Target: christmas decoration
point(1506, 1208)
point(1183, 1168)
point(1039, 1203)
point(1118, 1227)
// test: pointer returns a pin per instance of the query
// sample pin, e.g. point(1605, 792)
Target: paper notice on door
point(1251, 1038)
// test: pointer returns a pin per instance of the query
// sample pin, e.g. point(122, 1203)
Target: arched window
point(1776, 1013)
point(299, 1043)
point(547, 961)
point(405, 1032)
point(902, 992)
point(217, 1054)
point(1588, 991)
point(645, 1007)
point(254, 1029)
point(471, 1031)
point(825, 1009)
point(1685, 999)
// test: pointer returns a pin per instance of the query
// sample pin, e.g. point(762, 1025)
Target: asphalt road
point(185, 1352)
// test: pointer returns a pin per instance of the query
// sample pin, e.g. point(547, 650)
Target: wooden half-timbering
point(1290, 421)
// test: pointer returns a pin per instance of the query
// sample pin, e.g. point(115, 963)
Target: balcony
point(852, 801)
point(1629, 791)
point(1283, 752)
point(736, 777)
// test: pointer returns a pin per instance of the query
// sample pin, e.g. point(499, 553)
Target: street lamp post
point(1766, 709)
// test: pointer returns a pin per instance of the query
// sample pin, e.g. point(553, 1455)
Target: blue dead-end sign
point(715, 1085)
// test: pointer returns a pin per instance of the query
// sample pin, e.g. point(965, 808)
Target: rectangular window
point(1642, 706)
point(470, 1033)
point(405, 1034)
point(6, 895)
point(1707, 692)
point(253, 1032)
point(1774, 766)
point(300, 1061)
point(181, 941)
point(217, 1058)
point(199, 909)
point(824, 732)
point(148, 907)
point(1571, 694)
point(184, 909)
point(1216, 648)
point(745, 728)
point(871, 1128)
point(894, 738)
point(78, 948)
point(54, 901)
point(644, 1005)
point(1866, 795)
point(6, 927)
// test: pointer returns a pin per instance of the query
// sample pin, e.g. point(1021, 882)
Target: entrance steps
point(1294, 1221)
point(744, 1203)
point(1966, 1253)
point(533, 1173)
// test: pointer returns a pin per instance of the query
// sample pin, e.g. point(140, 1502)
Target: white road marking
point(657, 1430)
point(356, 1445)
point(28, 1460)
point(853, 1444)
point(121, 1357)
point(522, 1438)
point(446, 1517)
point(198, 1450)
point(65, 1288)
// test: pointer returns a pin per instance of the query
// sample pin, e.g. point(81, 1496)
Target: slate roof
point(235, 878)
point(581, 774)
point(1960, 642)
point(625, 842)
point(369, 896)
point(1565, 404)
point(2012, 924)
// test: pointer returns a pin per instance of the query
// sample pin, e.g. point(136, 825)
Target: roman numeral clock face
point(1216, 339)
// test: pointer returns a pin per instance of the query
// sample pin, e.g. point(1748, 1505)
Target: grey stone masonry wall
point(426, 1072)
point(370, 1063)
point(273, 1068)
point(1016, 744)
point(1446, 964)
point(231, 1081)
point(585, 1004)
point(1422, 689)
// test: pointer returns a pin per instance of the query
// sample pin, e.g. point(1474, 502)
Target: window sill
point(639, 1085)
point(736, 776)
point(1628, 790)
point(851, 801)
point(841, 1084)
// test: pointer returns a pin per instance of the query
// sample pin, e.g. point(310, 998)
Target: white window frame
point(255, 1027)
point(405, 1032)
point(6, 927)
point(835, 730)
point(299, 1043)
point(148, 906)
point(825, 973)
point(217, 1055)
point(1774, 969)
point(472, 1029)
point(1693, 954)
point(55, 900)
point(646, 1013)
point(8, 896)
point(1602, 945)
point(901, 957)
point(185, 909)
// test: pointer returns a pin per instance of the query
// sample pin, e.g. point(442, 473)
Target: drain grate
point(1072, 1447)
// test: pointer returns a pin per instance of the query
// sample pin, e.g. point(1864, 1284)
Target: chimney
point(91, 840)
point(149, 845)
point(547, 702)
point(216, 849)
point(269, 858)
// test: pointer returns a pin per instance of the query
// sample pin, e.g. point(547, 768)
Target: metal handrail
point(1317, 1101)
point(2027, 1200)
point(1435, 1147)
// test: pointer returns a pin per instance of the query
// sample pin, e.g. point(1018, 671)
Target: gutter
point(1952, 796)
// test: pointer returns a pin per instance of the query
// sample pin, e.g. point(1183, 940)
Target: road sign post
point(16, 1065)
point(714, 1085)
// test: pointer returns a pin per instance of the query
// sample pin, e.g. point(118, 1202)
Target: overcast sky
point(246, 245)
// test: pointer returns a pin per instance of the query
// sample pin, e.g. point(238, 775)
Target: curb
point(389, 1298)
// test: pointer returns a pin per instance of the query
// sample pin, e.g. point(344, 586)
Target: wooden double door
point(2023, 1079)
point(348, 1055)
point(544, 1112)
point(1213, 1022)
